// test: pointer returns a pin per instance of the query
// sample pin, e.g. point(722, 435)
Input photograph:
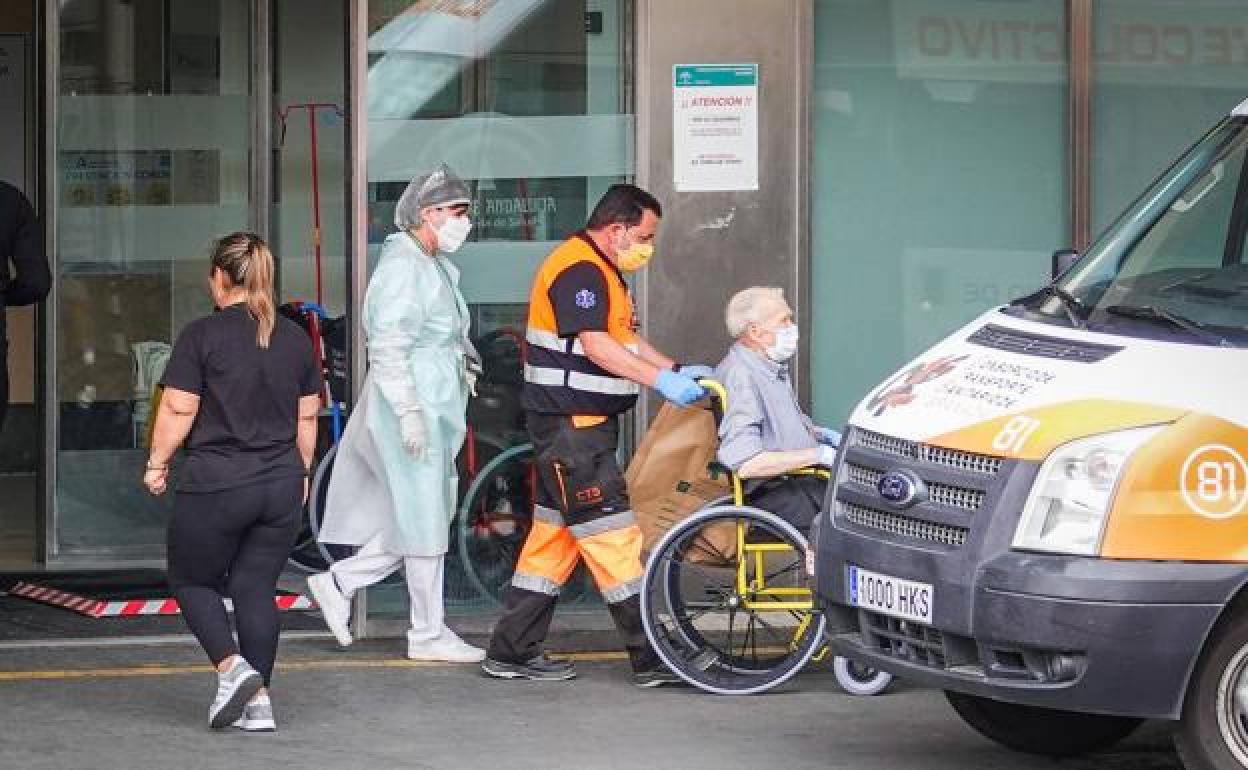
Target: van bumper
point(1070, 633)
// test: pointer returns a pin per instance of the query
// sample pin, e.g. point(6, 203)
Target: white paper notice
point(715, 127)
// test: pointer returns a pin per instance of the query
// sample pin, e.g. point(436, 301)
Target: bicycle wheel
point(317, 493)
point(493, 522)
point(308, 554)
point(705, 627)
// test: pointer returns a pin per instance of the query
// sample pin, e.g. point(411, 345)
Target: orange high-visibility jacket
point(559, 378)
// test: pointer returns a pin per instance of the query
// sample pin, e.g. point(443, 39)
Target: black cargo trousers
point(581, 512)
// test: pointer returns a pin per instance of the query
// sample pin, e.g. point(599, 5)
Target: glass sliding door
point(20, 437)
point(526, 100)
point(152, 127)
point(308, 207)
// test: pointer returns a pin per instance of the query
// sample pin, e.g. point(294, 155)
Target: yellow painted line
point(300, 665)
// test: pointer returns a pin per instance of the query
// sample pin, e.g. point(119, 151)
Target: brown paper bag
point(669, 479)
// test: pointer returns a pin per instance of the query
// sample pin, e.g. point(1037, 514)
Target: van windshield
point(1173, 267)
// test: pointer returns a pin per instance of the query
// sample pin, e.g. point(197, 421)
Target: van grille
point(941, 494)
point(904, 526)
point(912, 450)
point(906, 640)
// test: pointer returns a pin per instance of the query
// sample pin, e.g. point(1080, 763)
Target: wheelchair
point(726, 600)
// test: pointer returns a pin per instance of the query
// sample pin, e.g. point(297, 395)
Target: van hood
point(1001, 376)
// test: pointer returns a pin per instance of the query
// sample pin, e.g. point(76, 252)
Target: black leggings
point(234, 543)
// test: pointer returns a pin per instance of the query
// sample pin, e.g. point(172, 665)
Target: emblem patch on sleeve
point(586, 299)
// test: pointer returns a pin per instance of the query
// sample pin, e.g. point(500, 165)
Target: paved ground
point(144, 707)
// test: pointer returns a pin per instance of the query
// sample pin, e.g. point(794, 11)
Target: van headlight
point(1074, 491)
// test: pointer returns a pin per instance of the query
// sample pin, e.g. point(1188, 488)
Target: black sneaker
point(656, 677)
point(541, 669)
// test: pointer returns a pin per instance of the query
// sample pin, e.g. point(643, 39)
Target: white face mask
point(453, 233)
point(785, 346)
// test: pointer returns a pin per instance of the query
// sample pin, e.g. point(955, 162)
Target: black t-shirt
point(580, 295)
point(580, 299)
point(248, 399)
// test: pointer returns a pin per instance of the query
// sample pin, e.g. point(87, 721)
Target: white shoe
point(257, 716)
point(335, 607)
point(447, 647)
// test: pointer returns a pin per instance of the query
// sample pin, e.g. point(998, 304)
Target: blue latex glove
point(695, 371)
point(680, 389)
point(828, 437)
point(827, 456)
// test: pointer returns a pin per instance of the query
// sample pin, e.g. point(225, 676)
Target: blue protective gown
point(420, 356)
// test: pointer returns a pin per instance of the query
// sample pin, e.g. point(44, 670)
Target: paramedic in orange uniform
point(586, 365)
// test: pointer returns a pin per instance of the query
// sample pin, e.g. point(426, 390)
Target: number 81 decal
point(1214, 481)
point(1014, 434)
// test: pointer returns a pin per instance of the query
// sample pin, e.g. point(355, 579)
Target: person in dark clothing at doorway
point(26, 278)
point(242, 390)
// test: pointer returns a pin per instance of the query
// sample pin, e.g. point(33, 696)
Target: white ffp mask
point(785, 346)
point(453, 233)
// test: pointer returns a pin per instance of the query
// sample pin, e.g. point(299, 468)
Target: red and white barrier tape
point(101, 608)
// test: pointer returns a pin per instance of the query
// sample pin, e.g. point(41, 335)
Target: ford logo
point(900, 488)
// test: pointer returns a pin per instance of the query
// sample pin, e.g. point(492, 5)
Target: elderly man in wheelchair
point(726, 598)
point(764, 434)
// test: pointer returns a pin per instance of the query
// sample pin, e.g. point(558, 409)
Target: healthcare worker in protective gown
point(394, 484)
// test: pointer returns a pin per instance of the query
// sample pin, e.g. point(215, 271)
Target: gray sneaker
point(540, 669)
point(656, 677)
point(257, 716)
point(234, 688)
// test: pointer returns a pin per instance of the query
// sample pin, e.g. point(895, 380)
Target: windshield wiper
point(1073, 306)
point(1154, 313)
point(1192, 285)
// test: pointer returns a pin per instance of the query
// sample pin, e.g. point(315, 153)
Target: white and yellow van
point(1046, 514)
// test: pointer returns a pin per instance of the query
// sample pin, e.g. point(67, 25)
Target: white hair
point(749, 306)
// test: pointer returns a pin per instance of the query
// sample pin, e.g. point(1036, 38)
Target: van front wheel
point(1213, 733)
point(1038, 730)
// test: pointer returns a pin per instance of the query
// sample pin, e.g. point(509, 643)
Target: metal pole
point(357, 219)
point(1079, 32)
point(316, 204)
point(261, 154)
point(803, 93)
point(49, 545)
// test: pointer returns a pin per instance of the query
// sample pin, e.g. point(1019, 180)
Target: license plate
point(890, 595)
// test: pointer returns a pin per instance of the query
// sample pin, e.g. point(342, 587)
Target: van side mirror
point(1063, 260)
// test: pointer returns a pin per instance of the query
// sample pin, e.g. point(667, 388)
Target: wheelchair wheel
point(710, 632)
point(857, 679)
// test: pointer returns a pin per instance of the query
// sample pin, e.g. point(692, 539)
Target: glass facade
point(154, 135)
point(525, 100)
point(21, 437)
point(1164, 71)
point(152, 153)
point(938, 184)
point(309, 182)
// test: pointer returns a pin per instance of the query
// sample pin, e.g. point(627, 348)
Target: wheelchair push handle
point(717, 394)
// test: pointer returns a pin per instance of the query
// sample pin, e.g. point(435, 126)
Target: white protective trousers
point(423, 574)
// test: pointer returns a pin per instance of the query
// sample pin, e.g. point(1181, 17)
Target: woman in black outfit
point(241, 389)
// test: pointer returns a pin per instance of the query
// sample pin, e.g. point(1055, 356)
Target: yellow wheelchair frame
point(748, 587)
point(752, 556)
